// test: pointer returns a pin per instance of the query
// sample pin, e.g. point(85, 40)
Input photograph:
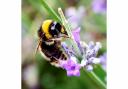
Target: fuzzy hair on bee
point(49, 44)
point(51, 29)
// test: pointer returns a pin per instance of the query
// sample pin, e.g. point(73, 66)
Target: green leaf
point(51, 11)
point(100, 72)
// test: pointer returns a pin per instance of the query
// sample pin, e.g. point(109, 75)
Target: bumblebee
point(50, 37)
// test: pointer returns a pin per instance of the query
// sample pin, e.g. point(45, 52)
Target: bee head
point(57, 30)
point(51, 29)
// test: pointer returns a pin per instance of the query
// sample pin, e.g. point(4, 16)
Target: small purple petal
point(91, 45)
point(98, 46)
point(73, 73)
point(69, 73)
point(76, 34)
point(78, 66)
point(76, 73)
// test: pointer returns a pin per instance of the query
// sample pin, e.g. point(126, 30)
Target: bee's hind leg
point(54, 62)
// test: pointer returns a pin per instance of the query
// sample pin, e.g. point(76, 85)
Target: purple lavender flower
point(89, 51)
point(71, 66)
point(94, 48)
point(89, 57)
point(75, 15)
point(99, 6)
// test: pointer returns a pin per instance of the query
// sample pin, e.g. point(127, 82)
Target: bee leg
point(63, 57)
point(52, 59)
point(54, 62)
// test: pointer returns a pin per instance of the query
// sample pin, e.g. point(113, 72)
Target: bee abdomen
point(55, 61)
point(60, 55)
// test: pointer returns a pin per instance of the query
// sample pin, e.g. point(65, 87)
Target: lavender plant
point(81, 55)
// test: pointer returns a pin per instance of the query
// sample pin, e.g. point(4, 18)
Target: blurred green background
point(38, 73)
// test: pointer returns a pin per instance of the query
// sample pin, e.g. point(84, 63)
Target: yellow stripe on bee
point(45, 28)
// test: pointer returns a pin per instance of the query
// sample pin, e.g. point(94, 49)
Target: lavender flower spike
point(90, 55)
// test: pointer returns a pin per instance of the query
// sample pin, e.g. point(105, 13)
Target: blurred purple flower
point(99, 6)
point(103, 59)
point(30, 76)
point(71, 66)
point(75, 15)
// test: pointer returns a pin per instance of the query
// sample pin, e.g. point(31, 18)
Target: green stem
point(97, 80)
point(100, 72)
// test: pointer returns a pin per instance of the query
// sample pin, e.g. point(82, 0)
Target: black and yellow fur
point(50, 48)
